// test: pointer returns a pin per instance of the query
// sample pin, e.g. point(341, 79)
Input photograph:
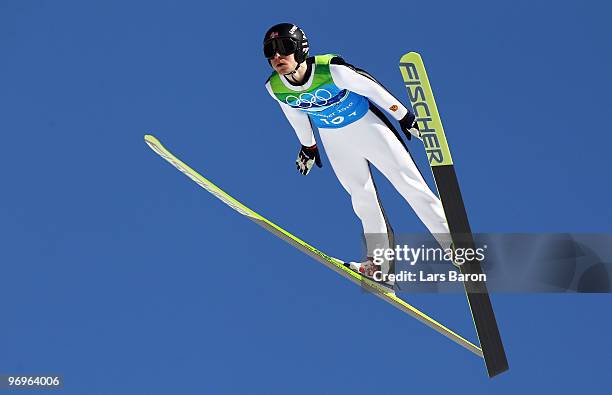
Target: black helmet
point(286, 39)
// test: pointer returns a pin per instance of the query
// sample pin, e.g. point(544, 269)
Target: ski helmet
point(286, 39)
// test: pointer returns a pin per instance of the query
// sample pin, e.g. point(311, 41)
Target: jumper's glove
point(307, 157)
point(409, 126)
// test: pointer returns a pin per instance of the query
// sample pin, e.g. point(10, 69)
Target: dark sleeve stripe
point(340, 61)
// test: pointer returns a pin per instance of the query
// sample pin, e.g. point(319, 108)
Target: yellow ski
point(432, 133)
point(380, 290)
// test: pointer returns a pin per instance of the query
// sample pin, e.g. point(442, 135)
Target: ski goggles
point(281, 46)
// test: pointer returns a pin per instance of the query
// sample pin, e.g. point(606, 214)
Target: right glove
point(409, 126)
point(307, 157)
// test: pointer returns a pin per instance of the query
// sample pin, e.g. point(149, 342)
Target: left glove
point(307, 157)
point(409, 126)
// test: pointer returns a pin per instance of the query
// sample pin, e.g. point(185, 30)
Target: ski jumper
point(337, 98)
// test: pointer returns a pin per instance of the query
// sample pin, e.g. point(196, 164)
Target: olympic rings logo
point(307, 100)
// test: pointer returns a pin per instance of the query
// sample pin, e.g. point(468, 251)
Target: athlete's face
point(283, 64)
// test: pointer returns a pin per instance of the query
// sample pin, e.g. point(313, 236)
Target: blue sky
point(124, 277)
